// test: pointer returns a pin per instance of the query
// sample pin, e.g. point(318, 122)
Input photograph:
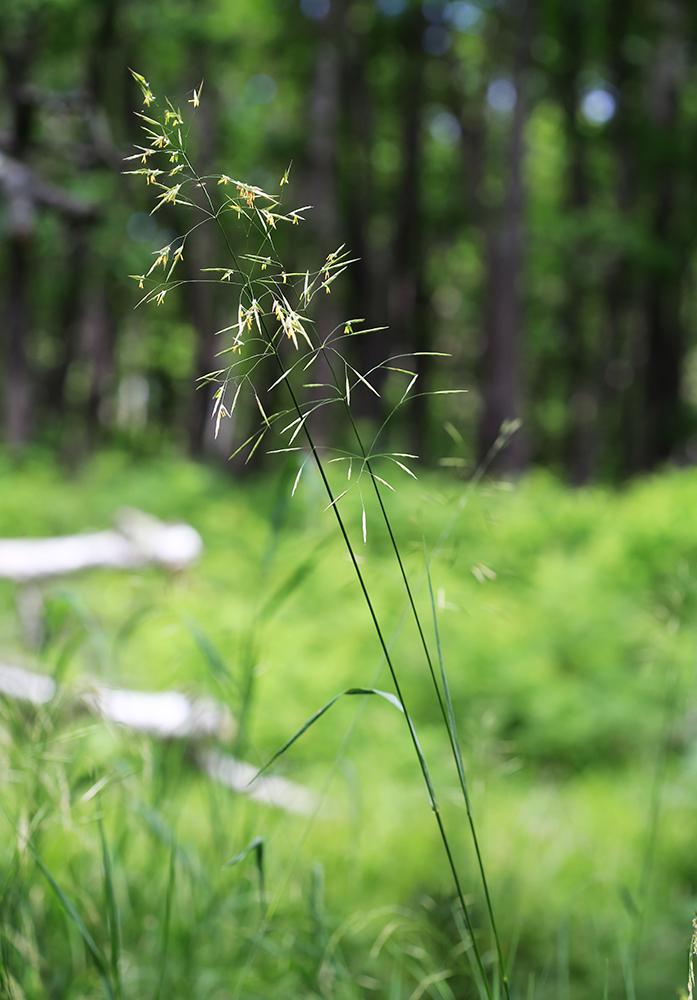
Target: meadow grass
point(273, 309)
point(567, 657)
point(551, 701)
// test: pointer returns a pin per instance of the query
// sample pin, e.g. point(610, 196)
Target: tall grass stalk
point(263, 299)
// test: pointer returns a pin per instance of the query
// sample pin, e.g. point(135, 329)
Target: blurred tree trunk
point(25, 193)
point(100, 344)
point(69, 317)
point(18, 383)
point(501, 386)
point(582, 360)
point(664, 330)
point(323, 133)
point(617, 393)
point(201, 247)
point(407, 304)
point(20, 215)
point(364, 302)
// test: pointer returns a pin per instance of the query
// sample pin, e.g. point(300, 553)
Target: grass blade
point(168, 918)
point(257, 847)
point(393, 699)
point(112, 910)
point(92, 946)
point(209, 652)
point(455, 745)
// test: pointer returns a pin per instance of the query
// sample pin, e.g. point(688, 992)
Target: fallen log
point(168, 715)
point(138, 539)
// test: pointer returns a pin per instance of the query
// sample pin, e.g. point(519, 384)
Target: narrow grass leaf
point(430, 980)
point(167, 923)
point(297, 430)
point(364, 381)
point(393, 700)
point(256, 846)
point(336, 500)
point(297, 479)
point(293, 581)
point(209, 652)
point(92, 947)
point(293, 423)
point(402, 466)
point(360, 333)
point(234, 399)
point(254, 447)
point(383, 482)
point(112, 910)
point(457, 754)
point(280, 379)
point(244, 444)
point(261, 410)
point(408, 389)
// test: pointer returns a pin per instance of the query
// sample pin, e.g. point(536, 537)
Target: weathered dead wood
point(167, 715)
point(137, 540)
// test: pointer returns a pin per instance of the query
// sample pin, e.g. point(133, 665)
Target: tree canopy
point(515, 177)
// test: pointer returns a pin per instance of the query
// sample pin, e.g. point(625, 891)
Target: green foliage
point(571, 678)
point(607, 222)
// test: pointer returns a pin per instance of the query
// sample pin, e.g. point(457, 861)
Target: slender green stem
point(390, 665)
point(386, 653)
point(447, 715)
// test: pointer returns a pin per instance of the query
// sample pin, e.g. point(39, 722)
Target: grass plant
point(567, 619)
point(590, 611)
point(274, 305)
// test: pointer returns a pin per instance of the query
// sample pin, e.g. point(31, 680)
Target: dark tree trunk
point(665, 337)
point(406, 288)
point(502, 354)
point(581, 444)
point(101, 341)
point(18, 384)
point(24, 193)
point(665, 346)
point(68, 326)
point(200, 252)
point(323, 115)
point(368, 351)
point(618, 415)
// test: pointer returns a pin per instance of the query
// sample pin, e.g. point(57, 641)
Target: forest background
point(515, 179)
point(516, 182)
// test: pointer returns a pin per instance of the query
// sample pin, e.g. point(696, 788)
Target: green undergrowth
point(567, 624)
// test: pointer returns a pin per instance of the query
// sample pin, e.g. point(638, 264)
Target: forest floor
point(567, 625)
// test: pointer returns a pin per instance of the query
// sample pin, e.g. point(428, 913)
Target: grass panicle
point(272, 307)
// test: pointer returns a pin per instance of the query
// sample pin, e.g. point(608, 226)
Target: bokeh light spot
point(501, 96)
point(465, 17)
point(261, 89)
point(434, 11)
point(598, 106)
point(436, 40)
point(392, 8)
point(445, 128)
point(141, 227)
point(315, 10)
